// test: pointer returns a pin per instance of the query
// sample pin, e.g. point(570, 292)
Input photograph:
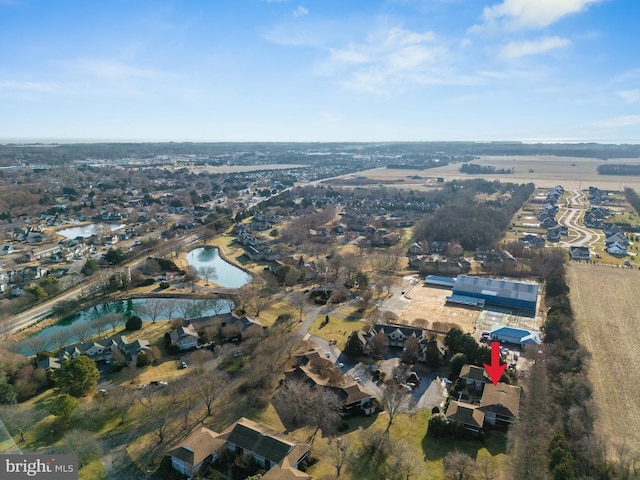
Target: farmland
point(606, 311)
point(544, 171)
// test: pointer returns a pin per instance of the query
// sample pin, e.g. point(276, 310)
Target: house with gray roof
point(279, 454)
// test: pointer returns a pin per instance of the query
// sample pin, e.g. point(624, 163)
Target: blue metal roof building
point(499, 293)
point(515, 335)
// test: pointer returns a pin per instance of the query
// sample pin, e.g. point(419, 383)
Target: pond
point(145, 308)
point(85, 231)
point(226, 274)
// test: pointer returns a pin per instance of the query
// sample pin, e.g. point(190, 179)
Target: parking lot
point(429, 392)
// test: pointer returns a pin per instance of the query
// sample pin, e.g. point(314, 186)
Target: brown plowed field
point(606, 305)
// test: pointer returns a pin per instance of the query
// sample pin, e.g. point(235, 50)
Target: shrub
point(164, 285)
point(134, 323)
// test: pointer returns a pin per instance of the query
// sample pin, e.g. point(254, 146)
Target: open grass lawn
point(337, 329)
point(606, 307)
point(412, 429)
point(268, 315)
point(94, 470)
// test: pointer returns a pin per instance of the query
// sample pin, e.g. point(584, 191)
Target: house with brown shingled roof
point(467, 415)
point(500, 403)
point(271, 450)
point(474, 376)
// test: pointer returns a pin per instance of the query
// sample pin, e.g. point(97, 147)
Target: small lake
point(85, 231)
point(164, 309)
point(227, 275)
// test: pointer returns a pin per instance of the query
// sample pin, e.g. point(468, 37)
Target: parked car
point(183, 365)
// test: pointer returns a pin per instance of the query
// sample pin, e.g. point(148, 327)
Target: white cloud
point(300, 12)
point(388, 57)
point(621, 121)
point(531, 14)
point(111, 69)
point(630, 96)
point(514, 50)
point(27, 86)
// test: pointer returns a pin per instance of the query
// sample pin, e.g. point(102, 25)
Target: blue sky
point(320, 70)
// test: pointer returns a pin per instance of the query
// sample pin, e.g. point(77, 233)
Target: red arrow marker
point(495, 370)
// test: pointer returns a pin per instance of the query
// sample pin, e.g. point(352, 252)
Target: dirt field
point(570, 172)
point(429, 303)
point(606, 305)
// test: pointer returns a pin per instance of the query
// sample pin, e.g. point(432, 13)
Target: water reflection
point(226, 274)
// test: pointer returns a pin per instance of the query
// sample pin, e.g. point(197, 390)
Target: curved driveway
point(571, 216)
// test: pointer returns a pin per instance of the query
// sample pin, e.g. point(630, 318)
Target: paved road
point(571, 216)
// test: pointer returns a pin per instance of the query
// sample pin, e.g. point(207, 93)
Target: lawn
point(606, 308)
point(412, 429)
point(341, 323)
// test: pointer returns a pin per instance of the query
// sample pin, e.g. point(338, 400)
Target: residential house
point(617, 249)
point(7, 250)
point(617, 237)
point(353, 397)
point(276, 453)
point(532, 241)
point(554, 234)
point(49, 363)
point(474, 377)
point(184, 337)
point(579, 253)
point(416, 249)
point(102, 349)
point(500, 404)
point(42, 253)
point(398, 335)
point(469, 416)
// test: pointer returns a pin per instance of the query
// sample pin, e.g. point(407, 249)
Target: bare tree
point(487, 468)
point(379, 344)
point(199, 358)
point(395, 400)
point(119, 400)
point(209, 387)
point(132, 372)
point(154, 307)
point(81, 330)
point(298, 403)
point(82, 443)
point(207, 272)
point(339, 452)
point(458, 466)
point(220, 305)
point(169, 309)
point(18, 419)
point(35, 345)
point(404, 461)
point(98, 325)
point(60, 338)
point(114, 320)
point(300, 301)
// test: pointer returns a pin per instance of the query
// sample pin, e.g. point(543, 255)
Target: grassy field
point(544, 171)
point(412, 429)
point(606, 306)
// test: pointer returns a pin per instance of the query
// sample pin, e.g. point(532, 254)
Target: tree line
point(475, 169)
point(555, 435)
point(618, 169)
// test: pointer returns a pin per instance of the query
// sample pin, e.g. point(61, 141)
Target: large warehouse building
point(518, 296)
